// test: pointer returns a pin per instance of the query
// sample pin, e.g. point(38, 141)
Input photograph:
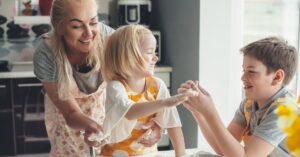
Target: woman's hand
point(93, 128)
point(154, 137)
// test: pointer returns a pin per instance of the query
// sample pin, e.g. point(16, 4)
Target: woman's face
point(81, 26)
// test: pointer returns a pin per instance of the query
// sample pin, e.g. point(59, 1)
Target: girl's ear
point(278, 77)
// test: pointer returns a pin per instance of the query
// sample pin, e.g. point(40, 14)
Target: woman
point(67, 61)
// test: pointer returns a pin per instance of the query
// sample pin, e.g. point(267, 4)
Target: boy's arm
point(177, 140)
point(229, 145)
point(206, 131)
point(226, 141)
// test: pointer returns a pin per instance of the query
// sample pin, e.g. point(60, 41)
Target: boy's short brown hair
point(275, 53)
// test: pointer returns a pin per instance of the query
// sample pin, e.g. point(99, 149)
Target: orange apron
point(129, 146)
point(65, 141)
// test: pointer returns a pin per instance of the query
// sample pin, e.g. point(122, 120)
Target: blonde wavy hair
point(64, 68)
point(122, 52)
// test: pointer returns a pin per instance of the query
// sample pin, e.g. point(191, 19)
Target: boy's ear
point(278, 77)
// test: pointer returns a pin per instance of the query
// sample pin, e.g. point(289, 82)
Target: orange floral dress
point(126, 133)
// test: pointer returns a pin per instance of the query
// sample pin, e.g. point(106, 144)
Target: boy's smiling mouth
point(247, 87)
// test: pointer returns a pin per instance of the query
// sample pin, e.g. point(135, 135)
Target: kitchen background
point(200, 41)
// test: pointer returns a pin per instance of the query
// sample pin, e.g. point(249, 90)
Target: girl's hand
point(93, 128)
point(154, 137)
point(177, 99)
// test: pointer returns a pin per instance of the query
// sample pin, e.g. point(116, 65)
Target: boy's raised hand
point(202, 102)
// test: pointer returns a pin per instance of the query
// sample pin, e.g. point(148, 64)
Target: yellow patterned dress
point(126, 133)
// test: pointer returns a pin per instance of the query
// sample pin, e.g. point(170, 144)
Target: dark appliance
point(134, 12)
point(157, 36)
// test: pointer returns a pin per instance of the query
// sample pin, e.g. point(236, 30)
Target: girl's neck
point(137, 84)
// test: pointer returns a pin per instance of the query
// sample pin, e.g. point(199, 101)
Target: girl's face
point(81, 26)
point(257, 82)
point(148, 46)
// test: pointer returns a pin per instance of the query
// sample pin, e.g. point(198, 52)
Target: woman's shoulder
point(44, 43)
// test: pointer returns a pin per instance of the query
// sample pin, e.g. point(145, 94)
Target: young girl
point(135, 96)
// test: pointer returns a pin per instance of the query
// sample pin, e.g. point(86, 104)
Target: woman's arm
point(177, 140)
point(69, 108)
point(72, 113)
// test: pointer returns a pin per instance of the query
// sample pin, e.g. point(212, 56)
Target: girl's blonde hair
point(64, 69)
point(122, 52)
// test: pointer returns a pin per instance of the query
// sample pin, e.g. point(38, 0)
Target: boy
point(268, 66)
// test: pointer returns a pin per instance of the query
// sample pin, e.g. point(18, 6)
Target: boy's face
point(258, 85)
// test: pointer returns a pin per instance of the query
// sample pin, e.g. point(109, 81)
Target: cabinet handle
point(2, 86)
point(30, 85)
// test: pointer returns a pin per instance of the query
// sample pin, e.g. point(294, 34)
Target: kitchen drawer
point(165, 76)
point(27, 91)
point(5, 95)
point(7, 137)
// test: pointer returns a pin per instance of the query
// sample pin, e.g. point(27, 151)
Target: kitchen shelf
point(32, 19)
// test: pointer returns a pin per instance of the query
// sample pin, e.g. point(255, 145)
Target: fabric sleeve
point(268, 128)
point(105, 30)
point(168, 117)
point(239, 116)
point(117, 104)
point(44, 64)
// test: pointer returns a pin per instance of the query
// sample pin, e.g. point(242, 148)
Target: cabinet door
point(29, 116)
point(5, 95)
point(7, 138)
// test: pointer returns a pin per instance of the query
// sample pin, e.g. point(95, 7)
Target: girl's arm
point(142, 109)
point(177, 140)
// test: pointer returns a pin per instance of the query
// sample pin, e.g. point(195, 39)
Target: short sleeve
point(105, 30)
point(117, 105)
point(168, 117)
point(268, 128)
point(239, 116)
point(43, 62)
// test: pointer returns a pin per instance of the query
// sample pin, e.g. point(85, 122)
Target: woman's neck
point(77, 59)
point(137, 84)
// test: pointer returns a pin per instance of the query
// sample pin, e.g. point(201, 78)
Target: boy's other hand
point(202, 103)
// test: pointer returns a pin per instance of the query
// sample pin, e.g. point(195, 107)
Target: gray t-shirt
point(263, 123)
point(46, 71)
